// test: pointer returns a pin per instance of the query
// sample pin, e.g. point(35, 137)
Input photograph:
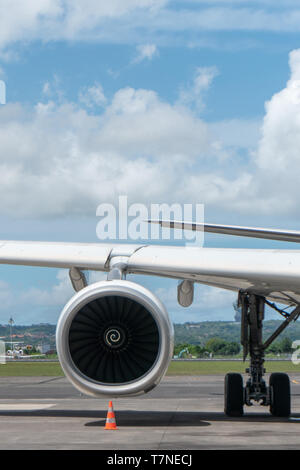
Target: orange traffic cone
point(110, 419)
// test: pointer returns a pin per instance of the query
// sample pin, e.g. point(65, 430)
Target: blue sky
point(165, 101)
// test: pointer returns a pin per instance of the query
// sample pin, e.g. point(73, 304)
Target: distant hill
point(193, 333)
point(200, 333)
point(32, 334)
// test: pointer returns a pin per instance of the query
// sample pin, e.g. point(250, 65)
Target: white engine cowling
point(114, 338)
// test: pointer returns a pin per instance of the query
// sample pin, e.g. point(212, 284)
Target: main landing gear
point(276, 394)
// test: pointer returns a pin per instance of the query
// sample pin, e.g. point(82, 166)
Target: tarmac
point(182, 413)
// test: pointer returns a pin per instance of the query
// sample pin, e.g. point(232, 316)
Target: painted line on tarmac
point(50, 380)
point(25, 406)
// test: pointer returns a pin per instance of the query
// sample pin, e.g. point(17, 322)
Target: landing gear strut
point(277, 394)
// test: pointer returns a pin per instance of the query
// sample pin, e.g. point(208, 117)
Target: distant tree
point(215, 345)
point(232, 348)
point(286, 345)
point(274, 348)
point(221, 347)
point(197, 350)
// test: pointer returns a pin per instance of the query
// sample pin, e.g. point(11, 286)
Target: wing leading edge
point(265, 233)
point(272, 273)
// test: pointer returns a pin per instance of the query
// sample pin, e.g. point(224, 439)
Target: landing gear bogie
point(277, 394)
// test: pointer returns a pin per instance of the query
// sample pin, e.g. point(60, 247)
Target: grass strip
point(53, 369)
point(223, 367)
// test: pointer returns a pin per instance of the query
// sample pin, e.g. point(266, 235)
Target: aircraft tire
point(280, 395)
point(233, 395)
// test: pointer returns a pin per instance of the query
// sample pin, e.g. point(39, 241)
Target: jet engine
point(114, 338)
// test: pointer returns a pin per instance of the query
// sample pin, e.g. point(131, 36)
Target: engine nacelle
point(114, 338)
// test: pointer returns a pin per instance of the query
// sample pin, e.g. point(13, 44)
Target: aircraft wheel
point(280, 395)
point(233, 395)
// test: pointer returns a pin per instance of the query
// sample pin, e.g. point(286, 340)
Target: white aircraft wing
point(53, 254)
point(236, 230)
point(272, 273)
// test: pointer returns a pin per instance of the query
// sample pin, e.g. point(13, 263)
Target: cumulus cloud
point(277, 162)
point(279, 146)
point(264, 180)
point(58, 159)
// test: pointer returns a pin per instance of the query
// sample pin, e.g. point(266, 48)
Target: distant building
point(43, 347)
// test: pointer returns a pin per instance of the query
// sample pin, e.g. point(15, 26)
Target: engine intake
point(114, 338)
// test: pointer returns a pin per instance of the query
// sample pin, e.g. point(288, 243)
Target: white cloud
point(36, 304)
point(57, 159)
point(278, 3)
point(266, 179)
point(248, 2)
point(228, 18)
point(137, 21)
point(210, 304)
point(46, 88)
point(145, 52)
point(92, 96)
point(194, 94)
point(279, 146)
point(52, 89)
point(241, 133)
point(203, 78)
point(277, 160)
point(6, 296)
point(48, 20)
point(57, 295)
point(21, 21)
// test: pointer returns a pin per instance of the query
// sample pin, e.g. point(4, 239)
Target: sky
point(164, 101)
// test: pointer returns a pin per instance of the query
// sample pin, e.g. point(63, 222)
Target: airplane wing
point(90, 328)
point(274, 274)
point(269, 234)
point(52, 254)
